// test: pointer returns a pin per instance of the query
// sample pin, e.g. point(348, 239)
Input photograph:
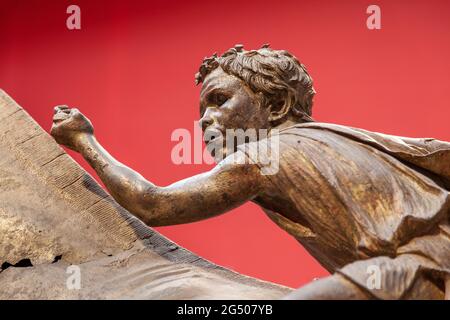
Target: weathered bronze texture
point(53, 214)
point(372, 208)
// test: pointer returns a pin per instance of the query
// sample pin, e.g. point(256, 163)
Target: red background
point(130, 70)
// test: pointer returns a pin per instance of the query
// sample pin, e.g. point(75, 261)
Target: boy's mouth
point(212, 135)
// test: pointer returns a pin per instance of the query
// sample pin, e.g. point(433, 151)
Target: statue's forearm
point(228, 185)
point(193, 199)
point(124, 184)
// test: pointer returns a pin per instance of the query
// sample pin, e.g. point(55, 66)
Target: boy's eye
point(219, 99)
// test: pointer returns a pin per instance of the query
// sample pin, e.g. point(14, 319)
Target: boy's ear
point(278, 109)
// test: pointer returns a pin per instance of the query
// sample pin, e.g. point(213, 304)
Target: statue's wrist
point(83, 140)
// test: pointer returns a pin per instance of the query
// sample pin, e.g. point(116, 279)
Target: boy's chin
point(218, 155)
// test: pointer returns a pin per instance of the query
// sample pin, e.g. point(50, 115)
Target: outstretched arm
point(225, 187)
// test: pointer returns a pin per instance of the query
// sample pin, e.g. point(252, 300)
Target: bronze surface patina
point(63, 237)
point(357, 200)
point(372, 208)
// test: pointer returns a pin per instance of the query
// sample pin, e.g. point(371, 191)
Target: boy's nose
point(205, 122)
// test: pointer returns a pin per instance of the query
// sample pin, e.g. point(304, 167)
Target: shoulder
point(240, 163)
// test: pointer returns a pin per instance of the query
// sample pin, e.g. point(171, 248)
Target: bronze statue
point(63, 237)
point(364, 204)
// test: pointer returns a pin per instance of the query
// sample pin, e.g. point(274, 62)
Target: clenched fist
point(69, 126)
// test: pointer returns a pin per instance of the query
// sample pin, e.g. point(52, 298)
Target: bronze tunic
point(348, 194)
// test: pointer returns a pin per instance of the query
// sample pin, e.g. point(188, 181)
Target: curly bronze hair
point(277, 74)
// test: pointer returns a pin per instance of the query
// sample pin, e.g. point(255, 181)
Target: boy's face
point(226, 102)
